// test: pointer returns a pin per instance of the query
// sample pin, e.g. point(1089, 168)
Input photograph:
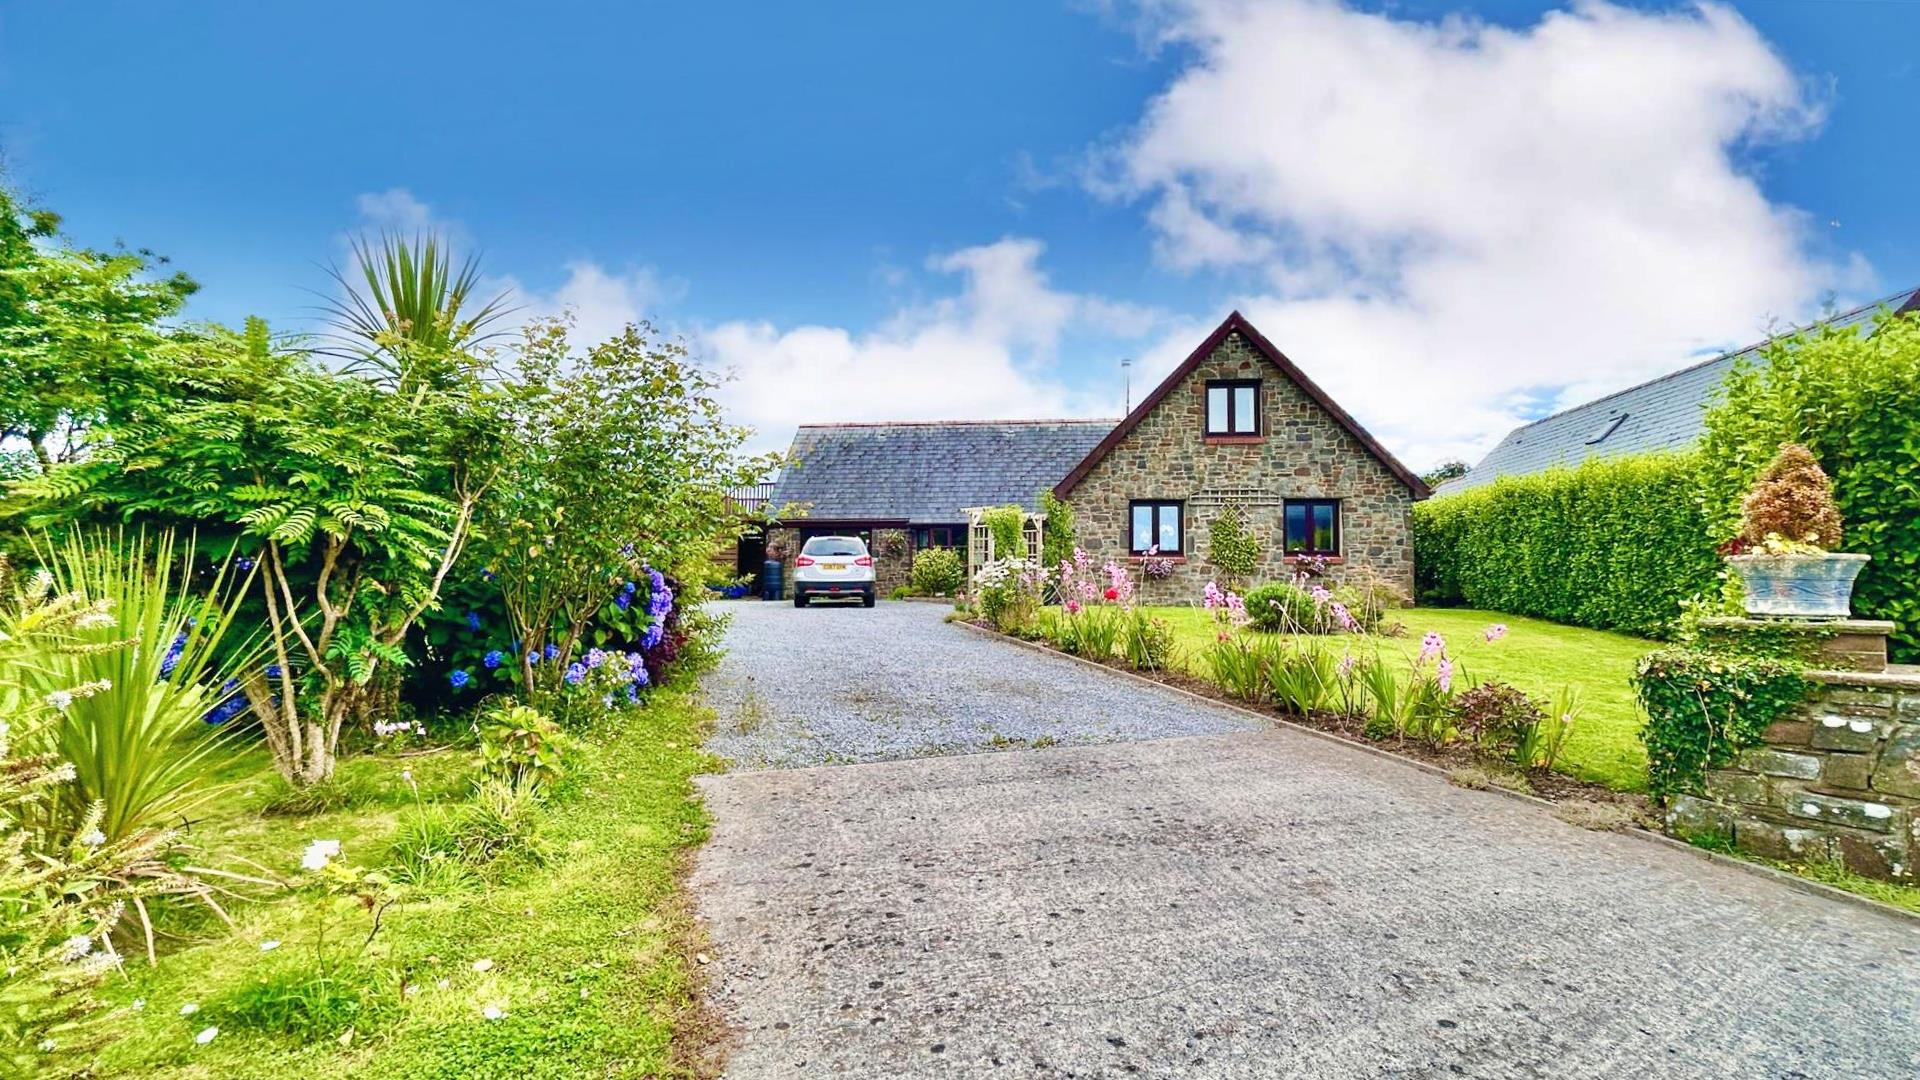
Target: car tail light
point(864, 560)
point(804, 560)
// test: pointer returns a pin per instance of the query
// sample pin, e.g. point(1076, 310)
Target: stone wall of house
point(1304, 453)
point(1837, 781)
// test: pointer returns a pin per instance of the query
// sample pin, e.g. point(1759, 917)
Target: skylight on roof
point(1606, 428)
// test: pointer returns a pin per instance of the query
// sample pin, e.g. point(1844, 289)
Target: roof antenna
point(1126, 373)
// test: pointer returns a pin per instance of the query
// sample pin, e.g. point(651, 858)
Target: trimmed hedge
point(1615, 544)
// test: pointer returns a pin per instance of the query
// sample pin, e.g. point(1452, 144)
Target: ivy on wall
point(1705, 706)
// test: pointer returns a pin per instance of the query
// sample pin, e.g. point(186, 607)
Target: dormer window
point(1233, 407)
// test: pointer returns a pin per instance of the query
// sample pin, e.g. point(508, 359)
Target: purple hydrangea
point(596, 657)
point(552, 651)
point(652, 637)
point(576, 673)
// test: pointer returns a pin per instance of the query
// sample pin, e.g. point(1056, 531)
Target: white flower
point(493, 1012)
point(319, 854)
point(94, 838)
point(483, 964)
point(75, 947)
point(60, 699)
point(206, 1036)
point(139, 1003)
point(269, 946)
point(47, 1045)
point(407, 775)
point(189, 1009)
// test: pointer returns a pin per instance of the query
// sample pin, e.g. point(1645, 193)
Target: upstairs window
point(1233, 407)
point(1157, 526)
point(1313, 526)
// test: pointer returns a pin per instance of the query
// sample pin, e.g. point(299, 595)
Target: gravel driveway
point(832, 684)
point(1255, 904)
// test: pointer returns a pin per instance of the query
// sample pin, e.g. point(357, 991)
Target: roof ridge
point(958, 423)
point(1909, 295)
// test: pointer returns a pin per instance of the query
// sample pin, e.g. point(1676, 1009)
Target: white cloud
point(985, 352)
point(396, 209)
point(1454, 221)
point(601, 302)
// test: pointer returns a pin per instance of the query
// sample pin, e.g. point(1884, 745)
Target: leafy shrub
point(1282, 606)
point(1853, 399)
point(938, 572)
point(1056, 528)
point(1617, 543)
point(1007, 526)
point(1497, 715)
point(1009, 592)
point(520, 746)
point(1703, 707)
point(1792, 501)
point(1146, 641)
point(1231, 548)
point(1303, 677)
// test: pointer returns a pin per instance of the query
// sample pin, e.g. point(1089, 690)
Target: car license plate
point(834, 566)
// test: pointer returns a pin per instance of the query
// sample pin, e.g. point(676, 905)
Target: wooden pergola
point(980, 545)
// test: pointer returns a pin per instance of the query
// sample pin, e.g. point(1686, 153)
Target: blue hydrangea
point(473, 621)
point(459, 677)
point(273, 671)
point(633, 692)
point(493, 659)
point(653, 635)
point(596, 657)
point(172, 659)
point(244, 562)
point(576, 673)
point(552, 651)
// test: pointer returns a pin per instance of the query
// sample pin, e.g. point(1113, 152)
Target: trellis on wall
point(980, 542)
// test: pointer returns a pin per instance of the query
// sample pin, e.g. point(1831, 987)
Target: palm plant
point(410, 299)
point(138, 742)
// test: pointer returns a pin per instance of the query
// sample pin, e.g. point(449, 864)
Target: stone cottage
point(1236, 424)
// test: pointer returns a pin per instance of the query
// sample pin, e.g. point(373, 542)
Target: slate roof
point(1663, 414)
point(927, 473)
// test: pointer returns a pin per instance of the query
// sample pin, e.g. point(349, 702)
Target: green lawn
point(1538, 657)
point(584, 952)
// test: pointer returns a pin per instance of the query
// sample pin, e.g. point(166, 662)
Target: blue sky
point(1454, 217)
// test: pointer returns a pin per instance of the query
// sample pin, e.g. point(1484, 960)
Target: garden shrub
point(1703, 707)
point(1281, 605)
point(1792, 502)
point(1007, 526)
point(938, 572)
point(1615, 544)
point(1853, 399)
point(520, 746)
point(1057, 530)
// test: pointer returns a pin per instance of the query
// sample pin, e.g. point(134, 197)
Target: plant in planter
point(1784, 554)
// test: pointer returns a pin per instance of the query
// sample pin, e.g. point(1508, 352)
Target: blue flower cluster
point(620, 670)
point(459, 678)
point(172, 659)
point(473, 621)
point(232, 704)
point(494, 659)
point(659, 604)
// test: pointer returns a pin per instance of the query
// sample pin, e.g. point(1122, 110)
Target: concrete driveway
point(1257, 904)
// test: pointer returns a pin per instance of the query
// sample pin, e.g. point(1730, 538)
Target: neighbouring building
point(1237, 423)
point(1663, 414)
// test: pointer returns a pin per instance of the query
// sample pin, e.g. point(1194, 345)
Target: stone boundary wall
point(1838, 780)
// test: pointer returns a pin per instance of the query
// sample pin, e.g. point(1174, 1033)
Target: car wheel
point(866, 599)
point(799, 599)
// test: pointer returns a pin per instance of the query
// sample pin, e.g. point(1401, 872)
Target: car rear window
point(834, 545)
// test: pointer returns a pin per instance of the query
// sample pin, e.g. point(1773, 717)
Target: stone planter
point(1818, 586)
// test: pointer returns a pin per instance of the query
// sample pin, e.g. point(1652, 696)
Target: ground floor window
point(1313, 526)
point(1157, 526)
point(940, 536)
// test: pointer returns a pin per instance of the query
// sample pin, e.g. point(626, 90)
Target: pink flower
point(1344, 617)
point(1321, 595)
point(1444, 674)
point(1073, 607)
point(1347, 663)
point(1431, 646)
point(1236, 607)
point(1212, 597)
point(1496, 631)
point(1111, 593)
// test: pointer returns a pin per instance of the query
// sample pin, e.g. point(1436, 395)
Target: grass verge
point(574, 967)
point(1538, 657)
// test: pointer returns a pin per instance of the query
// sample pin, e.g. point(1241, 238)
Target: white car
point(833, 568)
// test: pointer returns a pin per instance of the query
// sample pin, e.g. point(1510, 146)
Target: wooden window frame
point(1158, 505)
point(1230, 385)
point(1310, 552)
